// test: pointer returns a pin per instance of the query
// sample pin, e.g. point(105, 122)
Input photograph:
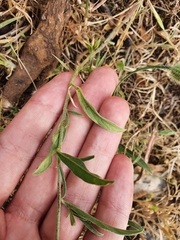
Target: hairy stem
point(146, 68)
point(61, 130)
point(58, 216)
point(141, 69)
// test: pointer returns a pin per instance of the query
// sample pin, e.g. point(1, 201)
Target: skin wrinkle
point(25, 211)
point(14, 150)
point(10, 153)
point(10, 216)
point(58, 89)
point(11, 149)
point(16, 211)
point(97, 147)
point(47, 107)
point(116, 208)
point(79, 198)
point(5, 147)
point(35, 196)
point(101, 152)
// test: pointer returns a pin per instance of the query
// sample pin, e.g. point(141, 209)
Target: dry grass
point(137, 39)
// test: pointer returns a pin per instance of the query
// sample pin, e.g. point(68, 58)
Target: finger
point(116, 200)
point(37, 193)
point(99, 85)
point(20, 140)
point(2, 225)
point(103, 144)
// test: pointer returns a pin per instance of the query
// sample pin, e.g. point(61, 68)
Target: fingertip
point(107, 73)
point(116, 109)
point(121, 172)
point(121, 169)
point(124, 162)
point(116, 200)
point(66, 76)
point(57, 85)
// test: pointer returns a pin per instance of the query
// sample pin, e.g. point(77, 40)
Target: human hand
point(32, 212)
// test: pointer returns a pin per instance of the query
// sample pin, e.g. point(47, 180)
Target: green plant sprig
point(76, 164)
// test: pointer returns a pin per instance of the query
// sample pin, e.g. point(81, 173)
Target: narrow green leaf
point(136, 160)
point(61, 62)
point(63, 183)
point(135, 225)
point(160, 22)
point(100, 60)
point(62, 129)
point(166, 132)
point(7, 22)
point(55, 140)
point(175, 73)
point(79, 169)
point(44, 165)
point(88, 225)
point(120, 65)
point(66, 126)
point(72, 219)
point(156, 16)
point(144, 165)
point(94, 115)
point(87, 158)
point(96, 44)
point(75, 113)
point(102, 225)
point(134, 157)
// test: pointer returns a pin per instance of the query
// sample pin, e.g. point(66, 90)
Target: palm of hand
point(32, 212)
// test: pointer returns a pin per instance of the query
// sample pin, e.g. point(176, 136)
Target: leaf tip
point(37, 172)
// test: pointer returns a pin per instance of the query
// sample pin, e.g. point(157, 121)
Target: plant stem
point(146, 68)
point(58, 216)
point(61, 130)
point(141, 69)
